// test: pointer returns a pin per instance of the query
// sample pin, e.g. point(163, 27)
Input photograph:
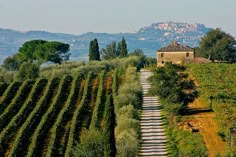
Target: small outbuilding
point(174, 53)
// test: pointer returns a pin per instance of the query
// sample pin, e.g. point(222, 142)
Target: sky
point(113, 16)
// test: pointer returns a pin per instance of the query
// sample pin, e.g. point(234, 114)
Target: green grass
point(217, 87)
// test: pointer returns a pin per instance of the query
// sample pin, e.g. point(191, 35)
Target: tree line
point(111, 51)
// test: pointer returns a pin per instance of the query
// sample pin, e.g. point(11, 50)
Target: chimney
point(174, 42)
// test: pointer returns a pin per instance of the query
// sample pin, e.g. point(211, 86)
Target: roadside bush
point(91, 145)
point(172, 84)
point(128, 112)
point(129, 93)
point(127, 103)
point(124, 123)
point(127, 143)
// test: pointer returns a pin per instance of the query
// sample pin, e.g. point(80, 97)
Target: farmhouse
point(174, 53)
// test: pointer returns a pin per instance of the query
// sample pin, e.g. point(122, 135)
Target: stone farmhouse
point(174, 53)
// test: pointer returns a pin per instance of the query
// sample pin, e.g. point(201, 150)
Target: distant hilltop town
point(167, 31)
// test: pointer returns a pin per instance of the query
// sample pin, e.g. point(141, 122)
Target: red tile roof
point(175, 47)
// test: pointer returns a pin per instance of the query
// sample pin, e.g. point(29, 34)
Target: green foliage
point(115, 82)
point(130, 92)
point(122, 50)
point(171, 84)
point(127, 123)
point(94, 50)
point(28, 71)
point(109, 129)
point(181, 142)
point(137, 52)
point(44, 51)
point(16, 101)
point(127, 143)
point(9, 94)
point(127, 103)
point(110, 52)
point(11, 63)
point(11, 110)
point(128, 112)
point(176, 90)
point(144, 61)
point(190, 145)
point(215, 45)
point(78, 114)
point(71, 68)
point(98, 109)
point(218, 81)
point(23, 137)
point(24, 111)
point(3, 87)
point(27, 50)
point(91, 145)
point(49, 117)
point(7, 76)
point(55, 146)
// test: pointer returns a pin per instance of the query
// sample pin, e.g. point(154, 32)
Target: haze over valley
point(148, 38)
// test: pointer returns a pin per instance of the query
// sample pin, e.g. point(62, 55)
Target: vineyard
point(217, 87)
point(49, 116)
point(45, 117)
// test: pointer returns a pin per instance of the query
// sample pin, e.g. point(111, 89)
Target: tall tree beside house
point(215, 45)
point(122, 50)
point(94, 50)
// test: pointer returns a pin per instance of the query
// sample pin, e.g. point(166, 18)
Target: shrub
point(129, 93)
point(128, 112)
point(127, 143)
point(28, 70)
point(190, 145)
point(91, 145)
point(126, 123)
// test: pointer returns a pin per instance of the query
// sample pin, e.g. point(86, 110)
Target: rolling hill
point(148, 38)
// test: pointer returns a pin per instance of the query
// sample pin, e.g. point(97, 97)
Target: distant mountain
point(149, 38)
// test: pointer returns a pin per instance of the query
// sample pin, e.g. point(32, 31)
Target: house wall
point(174, 57)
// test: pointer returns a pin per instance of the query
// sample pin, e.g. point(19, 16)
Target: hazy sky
point(113, 16)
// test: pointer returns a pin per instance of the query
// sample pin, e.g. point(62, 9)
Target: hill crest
point(148, 38)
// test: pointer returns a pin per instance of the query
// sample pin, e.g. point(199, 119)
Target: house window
point(162, 62)
point(162, 55)
point(187, 54)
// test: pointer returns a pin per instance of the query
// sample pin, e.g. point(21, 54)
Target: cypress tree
point(94, 50)
point(122, 50)
point(109, 130)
